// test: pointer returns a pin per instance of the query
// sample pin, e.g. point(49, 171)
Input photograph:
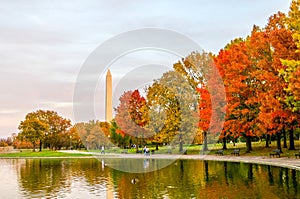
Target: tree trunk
point(250, 172)
point(248, 144)
point(278, 138)
point(284, 139)
point(137, 148)
point(224, 143)
point(267, 140)
point(292, 143)
point(206, 171)
point(156, 148)
point(181, 146)
point(41, 145)
point(180, 143)
point(33, 147)
point(205, 148)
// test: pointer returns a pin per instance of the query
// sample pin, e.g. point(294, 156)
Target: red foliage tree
point(130, 115)
point(236, 69)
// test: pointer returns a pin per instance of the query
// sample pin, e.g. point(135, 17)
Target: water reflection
point(90, 178)
point(138, 165)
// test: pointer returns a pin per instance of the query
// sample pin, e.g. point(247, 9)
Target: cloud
point(45, 43)
point(9, 111)
point(57, 104)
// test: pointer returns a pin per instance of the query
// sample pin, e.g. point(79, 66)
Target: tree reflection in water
point(90, 178)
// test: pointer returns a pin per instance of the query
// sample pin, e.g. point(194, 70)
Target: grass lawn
point(43, 153)
point(258, 150)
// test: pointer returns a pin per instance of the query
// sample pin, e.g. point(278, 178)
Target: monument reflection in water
point(90, 178)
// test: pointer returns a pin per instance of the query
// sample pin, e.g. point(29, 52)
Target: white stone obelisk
point(108, 97)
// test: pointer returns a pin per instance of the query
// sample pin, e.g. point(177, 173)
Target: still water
point(91, 178)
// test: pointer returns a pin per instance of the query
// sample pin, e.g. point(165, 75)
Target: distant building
point(108, 98)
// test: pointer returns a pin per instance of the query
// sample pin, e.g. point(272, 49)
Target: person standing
point(102, 150)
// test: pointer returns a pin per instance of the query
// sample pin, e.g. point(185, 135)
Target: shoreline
point(291, 163)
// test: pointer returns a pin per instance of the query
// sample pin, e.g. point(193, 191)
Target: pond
point(91, 178)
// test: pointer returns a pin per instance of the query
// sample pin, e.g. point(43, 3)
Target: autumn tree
point(205, 113)
point(58, 126)
point(74, 138)
point(130, 116)
point(250, 69)
point(164, 113)
point(292, 71)
point(81, 130)
point(237, 69)
point(200, 72)
point(279, 45)
point(172, 105)
point(195, 68)
point(212, 107)
point(55, 127)
point(93, 134)
point(118, 137)
point(33, 130)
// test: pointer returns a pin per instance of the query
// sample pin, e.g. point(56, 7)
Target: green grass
point(258, 150)
point(43, 153)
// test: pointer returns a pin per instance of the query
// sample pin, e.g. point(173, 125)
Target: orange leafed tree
point(254, 88)
point(212, 106)
point(236, 69)
point(130, 115)
point(205, 113)
point(279, 45)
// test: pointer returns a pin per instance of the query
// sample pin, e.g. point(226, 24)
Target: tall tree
point(200, 72)
point(282, 47)
point(254, 88)
point(205, 113)
point(81, 131)
point(195, 68)
point(93, 134)
point(130, 116)
point(118, 137)
point(236, 69)
point(33, 130)
point(57, 126)
point(172, 102)
point(292, 71)
point(74, 138)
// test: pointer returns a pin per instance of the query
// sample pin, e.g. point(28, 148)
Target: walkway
point(292, 163)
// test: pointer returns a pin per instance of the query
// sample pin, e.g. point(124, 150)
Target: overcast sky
point(44, 43)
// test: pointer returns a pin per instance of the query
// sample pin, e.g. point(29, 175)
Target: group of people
point(146, 151)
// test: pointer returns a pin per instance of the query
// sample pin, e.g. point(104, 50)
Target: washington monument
point(108, 97)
